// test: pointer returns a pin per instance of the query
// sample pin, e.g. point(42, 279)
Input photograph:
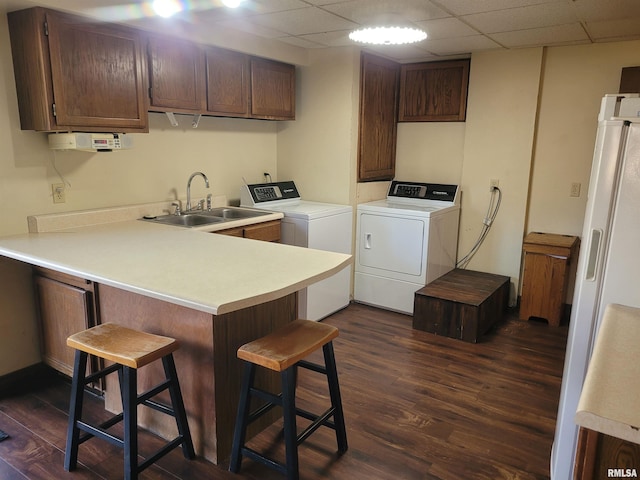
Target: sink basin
point(187, 220)
point(207, 217)
point(231, 213)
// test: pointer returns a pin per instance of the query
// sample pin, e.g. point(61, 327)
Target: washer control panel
point(271, 192)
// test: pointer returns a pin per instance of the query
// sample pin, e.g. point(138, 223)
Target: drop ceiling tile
point(325, 2)
point(446, 28)
point(627, 29)
point(555, 35)
point(251, 7)
point(245, 25)
point(338, 38)
point(368, 12)
point(303, 20)
point(301, 42)
point(459, 45)
point(521, 18)
point(599, 10)
point(402, 53)
point(467, 7)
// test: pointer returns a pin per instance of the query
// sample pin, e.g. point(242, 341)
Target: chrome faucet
point(206, 182)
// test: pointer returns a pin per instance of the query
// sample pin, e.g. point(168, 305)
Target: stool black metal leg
point(75, 411)
point(242, 418)
point(336, 400)
point(128, 388)
point(289, 414)
point(178, 406)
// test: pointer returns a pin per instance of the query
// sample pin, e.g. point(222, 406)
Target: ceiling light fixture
point(232, 3)
point(166, 8)
point(387, 35)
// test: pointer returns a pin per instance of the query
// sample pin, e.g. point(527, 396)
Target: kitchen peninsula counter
point(211, 273)
point(211, 292)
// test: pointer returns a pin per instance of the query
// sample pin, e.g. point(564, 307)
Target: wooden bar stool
point(129, 350)
point(283, 351)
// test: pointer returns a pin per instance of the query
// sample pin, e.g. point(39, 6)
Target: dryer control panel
point(423, 191)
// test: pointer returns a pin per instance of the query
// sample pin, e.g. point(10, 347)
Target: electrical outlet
point(493, 183)
point(58, 193)
point(575, 189)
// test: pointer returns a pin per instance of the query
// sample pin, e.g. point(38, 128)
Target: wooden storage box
point(545, 279)
point(461, 304)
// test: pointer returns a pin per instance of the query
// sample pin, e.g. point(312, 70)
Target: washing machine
point(404, 242)
point(323, 226)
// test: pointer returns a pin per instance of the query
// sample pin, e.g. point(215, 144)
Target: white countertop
point(207, 272)
point(609, 399)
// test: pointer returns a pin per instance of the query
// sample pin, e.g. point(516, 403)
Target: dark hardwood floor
point(417, 406)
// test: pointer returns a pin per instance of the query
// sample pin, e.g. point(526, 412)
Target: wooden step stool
point(461, 304)
point(283, 351)
point(129, 350)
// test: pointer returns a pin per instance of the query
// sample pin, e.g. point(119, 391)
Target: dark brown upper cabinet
point(73, 73)
point(377, 129)
point(630, 80)
point(176, 75)
point(227, 82)
point(273, 87)
point(434, 91)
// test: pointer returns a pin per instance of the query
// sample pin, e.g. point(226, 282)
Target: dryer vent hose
point(492, 212)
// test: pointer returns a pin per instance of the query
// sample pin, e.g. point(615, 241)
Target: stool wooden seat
point(283, 351)
point(129, 350)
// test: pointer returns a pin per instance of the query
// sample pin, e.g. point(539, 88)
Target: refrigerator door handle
point(594, 255)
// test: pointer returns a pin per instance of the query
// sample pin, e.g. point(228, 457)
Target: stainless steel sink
point(207, 217)
point(231, 213)
point(186, 220)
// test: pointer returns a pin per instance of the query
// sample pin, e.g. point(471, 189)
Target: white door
point(392, 244)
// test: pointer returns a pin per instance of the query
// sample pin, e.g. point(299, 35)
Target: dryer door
point(392, 244)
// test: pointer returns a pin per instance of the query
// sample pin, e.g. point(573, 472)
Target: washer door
point(392, 244)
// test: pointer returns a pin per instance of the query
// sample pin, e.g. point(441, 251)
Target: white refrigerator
point(609, 261)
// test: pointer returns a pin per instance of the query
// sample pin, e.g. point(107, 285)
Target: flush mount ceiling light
point(387, 35)
point(166, 8)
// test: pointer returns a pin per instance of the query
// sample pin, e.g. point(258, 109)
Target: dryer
point(405, 242)
point(323, 226)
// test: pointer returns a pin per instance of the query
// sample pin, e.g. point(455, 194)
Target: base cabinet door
point(64, 309)
point(600, 456)
point(265, 231)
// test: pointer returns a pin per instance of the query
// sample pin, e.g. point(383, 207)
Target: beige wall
point(318, 150)
point(574, 81)
point(499, 140)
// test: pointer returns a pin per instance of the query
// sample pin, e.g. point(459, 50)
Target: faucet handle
point(178, 209)
point(209, 201)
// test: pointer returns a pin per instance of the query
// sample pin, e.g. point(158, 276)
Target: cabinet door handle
point(367, 241)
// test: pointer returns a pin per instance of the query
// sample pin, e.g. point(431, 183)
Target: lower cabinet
point(66, 305)
point(601, 456)
point(266, 231)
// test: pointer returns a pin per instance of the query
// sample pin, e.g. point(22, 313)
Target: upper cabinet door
point(434, 91)
point(377, 127)
point(227, 82)
point(97, 74)
point(273, 90)
point(176, 75)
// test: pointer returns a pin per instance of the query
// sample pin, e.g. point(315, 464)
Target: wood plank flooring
point(417, 406)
